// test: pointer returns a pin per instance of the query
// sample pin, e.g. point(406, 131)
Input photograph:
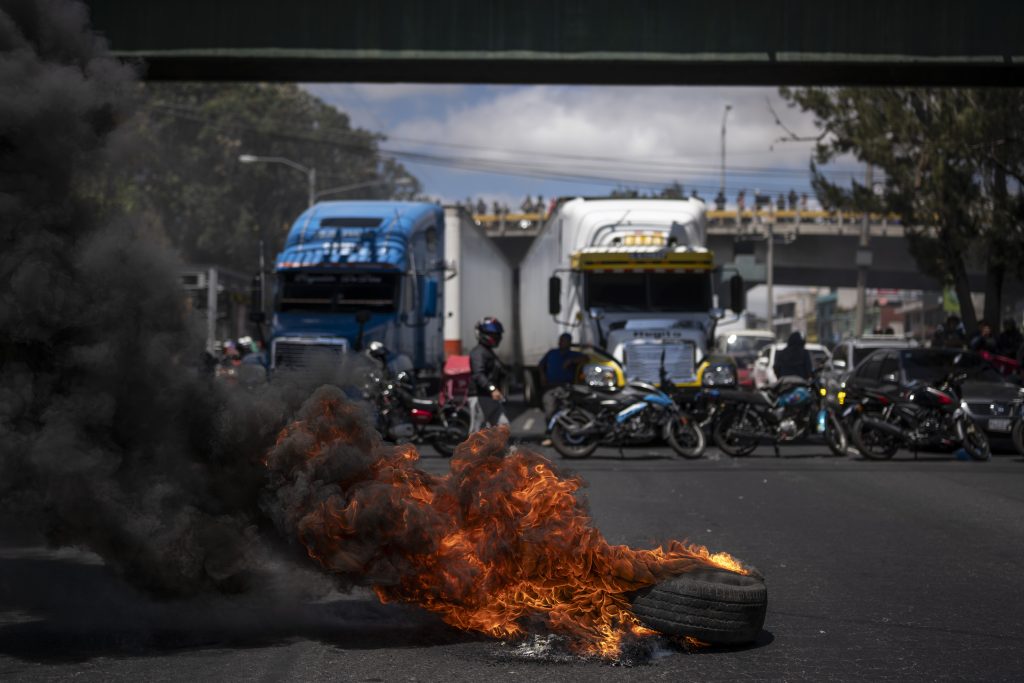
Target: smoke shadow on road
point(66, 608)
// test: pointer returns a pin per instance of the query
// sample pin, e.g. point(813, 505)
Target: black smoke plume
point(111, 439)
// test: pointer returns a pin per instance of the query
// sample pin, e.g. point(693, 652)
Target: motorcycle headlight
point(599, 376)
point(719, 375)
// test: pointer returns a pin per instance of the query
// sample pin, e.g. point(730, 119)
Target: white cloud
point(677, 127)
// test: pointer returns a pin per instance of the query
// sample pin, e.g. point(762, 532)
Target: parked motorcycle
point(702, 404)
point(637, 413)
point(403, 417)
point(790, 409)
point(924, 416)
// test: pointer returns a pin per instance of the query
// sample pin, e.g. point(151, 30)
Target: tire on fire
point(713, 605)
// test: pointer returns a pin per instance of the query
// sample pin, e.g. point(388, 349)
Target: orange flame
point(498, 543)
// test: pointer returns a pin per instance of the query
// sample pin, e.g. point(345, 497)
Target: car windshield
point(933, 365)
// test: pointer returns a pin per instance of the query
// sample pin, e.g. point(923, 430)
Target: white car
point(764, 374)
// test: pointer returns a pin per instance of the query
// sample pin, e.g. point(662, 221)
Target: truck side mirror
point(555, 295)
point(429, 307)
point(737, 294)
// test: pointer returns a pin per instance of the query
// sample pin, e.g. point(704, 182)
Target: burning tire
point(713, 605)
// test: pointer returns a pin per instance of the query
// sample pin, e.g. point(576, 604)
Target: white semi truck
point(478, 284)
point(631, 277)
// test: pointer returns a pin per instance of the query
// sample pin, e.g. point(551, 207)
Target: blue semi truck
point(352, 272)
point(355, 272)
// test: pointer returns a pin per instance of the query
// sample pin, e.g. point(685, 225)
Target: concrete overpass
point(878, 42)
point(811, 248)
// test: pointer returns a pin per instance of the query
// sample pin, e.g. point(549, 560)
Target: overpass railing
point(726, 221)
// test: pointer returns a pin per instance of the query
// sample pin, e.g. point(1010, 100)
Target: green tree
point(217, 210)
point(940, 152)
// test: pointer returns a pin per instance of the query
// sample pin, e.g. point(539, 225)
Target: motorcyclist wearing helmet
point(487, 372)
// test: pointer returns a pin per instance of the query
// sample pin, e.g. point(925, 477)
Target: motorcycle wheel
point(686, 437)
point(457, 432)
point(835, 435)
point(873, 444)
point(735, 446)
point(568, 445)
point(975, 442)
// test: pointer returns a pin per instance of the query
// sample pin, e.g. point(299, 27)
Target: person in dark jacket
point(794, 360)
point(486, 375)
point(1009, 339)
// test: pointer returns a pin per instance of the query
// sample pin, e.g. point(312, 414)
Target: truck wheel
point(531, 387)
point(714, 605)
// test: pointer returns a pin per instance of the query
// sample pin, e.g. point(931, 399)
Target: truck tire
point(531, 387)
point(713, 605)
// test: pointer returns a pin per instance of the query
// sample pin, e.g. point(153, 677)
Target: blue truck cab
point(353, 272)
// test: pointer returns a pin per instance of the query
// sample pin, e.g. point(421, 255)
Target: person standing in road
point(983, 340)
point(486, 375)
point(557, 371)
point(1009, 339)
point(794, 360)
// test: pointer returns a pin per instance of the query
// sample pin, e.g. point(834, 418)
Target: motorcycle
point(703, 405)
point(637, 413)
point(922, 416)
point(403, 417)
point(791, 409)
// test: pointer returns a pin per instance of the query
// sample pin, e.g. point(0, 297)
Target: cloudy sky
point(503, 142)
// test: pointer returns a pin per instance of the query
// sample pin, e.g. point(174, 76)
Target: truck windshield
point(686, 292)
point(337, 292)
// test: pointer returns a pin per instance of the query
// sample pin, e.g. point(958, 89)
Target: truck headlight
point(599, 376)
point(719, 375)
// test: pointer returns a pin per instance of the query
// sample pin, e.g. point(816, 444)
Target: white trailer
point(631, 276)
point(479, 284)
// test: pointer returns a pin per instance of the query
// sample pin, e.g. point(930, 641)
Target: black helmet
point(489, 331)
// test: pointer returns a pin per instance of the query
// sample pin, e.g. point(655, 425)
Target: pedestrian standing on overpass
point(557, 371)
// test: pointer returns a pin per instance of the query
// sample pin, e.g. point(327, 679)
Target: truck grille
point(643, 361)
point(302, 354)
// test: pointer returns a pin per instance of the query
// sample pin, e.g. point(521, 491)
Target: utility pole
point(721, 183)
point(863, 259)
point(770, 276)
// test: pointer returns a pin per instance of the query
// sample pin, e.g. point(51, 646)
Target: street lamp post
point(725, 114)
point(309, 171)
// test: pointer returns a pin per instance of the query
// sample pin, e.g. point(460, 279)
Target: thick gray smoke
point(110, 437)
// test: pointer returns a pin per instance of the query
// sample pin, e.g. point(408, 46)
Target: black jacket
point(486, 371)
point(793, 360)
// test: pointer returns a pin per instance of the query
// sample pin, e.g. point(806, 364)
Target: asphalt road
point(899, 570)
